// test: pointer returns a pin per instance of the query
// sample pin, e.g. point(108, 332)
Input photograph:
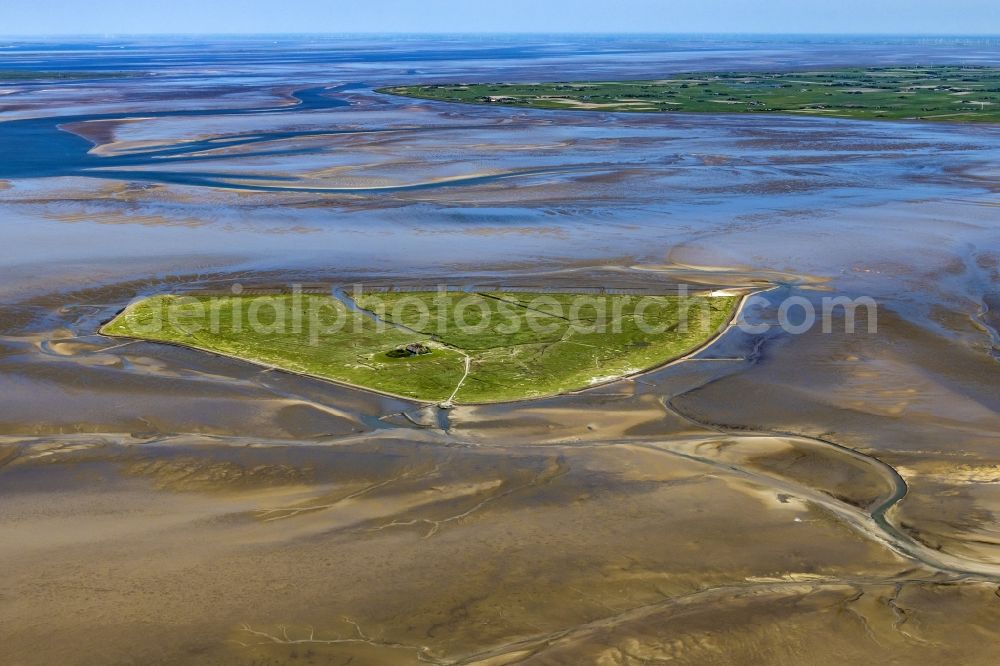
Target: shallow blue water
point(37, 147)
point(385, 184)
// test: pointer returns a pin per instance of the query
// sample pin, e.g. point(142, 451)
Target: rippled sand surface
point(828, 497)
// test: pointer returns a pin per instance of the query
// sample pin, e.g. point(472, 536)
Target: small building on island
point(411, 349)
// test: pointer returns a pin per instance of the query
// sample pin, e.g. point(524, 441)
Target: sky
point(120, 17)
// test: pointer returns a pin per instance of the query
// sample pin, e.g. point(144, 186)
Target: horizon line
point(647, 33)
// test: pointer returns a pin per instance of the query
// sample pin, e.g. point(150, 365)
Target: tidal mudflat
point(827, 495)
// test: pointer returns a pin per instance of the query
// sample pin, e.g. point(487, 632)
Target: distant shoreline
point(940, 93)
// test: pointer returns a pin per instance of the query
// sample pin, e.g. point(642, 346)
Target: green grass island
point(942, 93)
point(439, 347)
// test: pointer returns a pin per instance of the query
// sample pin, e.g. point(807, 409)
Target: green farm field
point(945, 93)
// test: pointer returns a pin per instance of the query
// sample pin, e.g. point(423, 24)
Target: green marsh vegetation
point(944, 93)
point(25, 75)
point(483, 347)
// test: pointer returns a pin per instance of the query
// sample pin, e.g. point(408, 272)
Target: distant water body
point(37, 147)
